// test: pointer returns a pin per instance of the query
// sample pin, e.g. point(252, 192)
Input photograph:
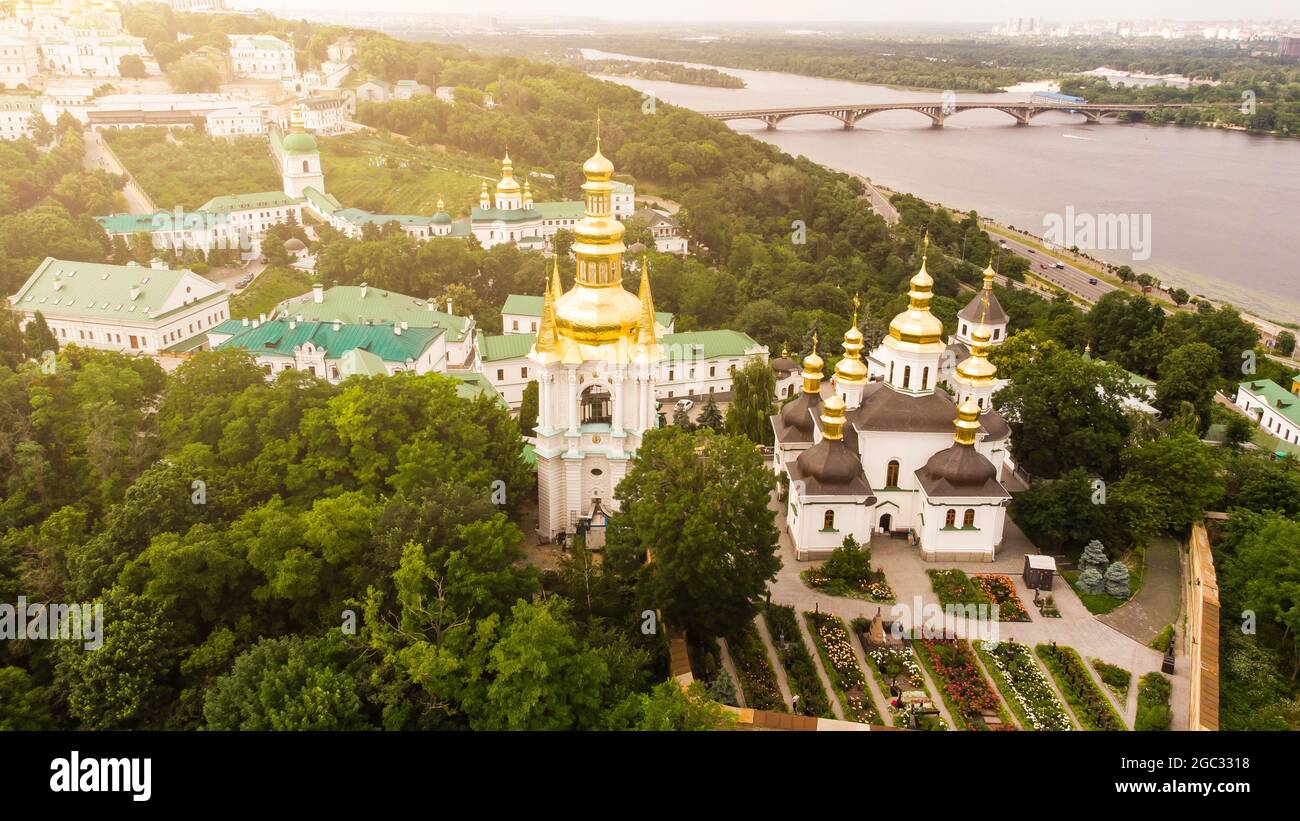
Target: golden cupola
point(597, 310)
point(917, 326)
point(976, 369)
point(851, 368)
point(812, 370)
point(508, 183)
point(967, 423)
point(832, 419)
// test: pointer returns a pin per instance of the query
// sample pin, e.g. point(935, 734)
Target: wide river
point(1224, 205)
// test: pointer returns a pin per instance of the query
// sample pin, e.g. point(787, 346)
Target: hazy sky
point(809, 12)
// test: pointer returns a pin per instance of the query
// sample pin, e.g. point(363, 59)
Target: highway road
point(1076, 281)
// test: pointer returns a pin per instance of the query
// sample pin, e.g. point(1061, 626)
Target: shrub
point(849, 562)
point(1091, 581)
point(800, 673)
point(1089, 704)
point(1164, 642)
point(1153, 711)
point(1116, 678)
point(1094, 557)
point(1117, 580)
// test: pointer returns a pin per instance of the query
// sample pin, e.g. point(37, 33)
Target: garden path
point(1158, 601)
point(811, 644)
point(878, 699)
point(774, 660)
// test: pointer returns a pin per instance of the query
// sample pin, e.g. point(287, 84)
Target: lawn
point(272, 286)
point(1099, 603)
point(387, 176)
point(195, 167)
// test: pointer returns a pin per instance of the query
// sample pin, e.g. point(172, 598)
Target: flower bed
point(800, 672)
point(961, 684)
point(832, 641)
point(1116, 678)
point(872, 589)
point(757, 680)
point(1089, 704)
point(1023, 685)
point(1153, 711)
point(955, 587)
point(898, 664)
point(1002, 590)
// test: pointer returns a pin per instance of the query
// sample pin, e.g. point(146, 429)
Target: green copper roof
point(505, 346)
point(276, 337)
point(358, 362)
point(529, 305)
point(714, 344)
point(90, 289)
point(346, 304)
point(19, 102)
point(473, 384)
point(540, 210)
point(325, 203)
point(1278, 398)
point(299, 142)
point(160, 221)
point(247, 202)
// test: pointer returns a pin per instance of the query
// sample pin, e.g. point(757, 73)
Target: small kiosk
point(1039, 571)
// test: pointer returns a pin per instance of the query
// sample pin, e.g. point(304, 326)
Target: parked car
point(684, 404)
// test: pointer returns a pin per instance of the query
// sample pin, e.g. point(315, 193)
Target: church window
point(963, 329)
point(501, 375)
point(968, 518)
point(597, 405)
point(891, 473)
point(981, 403)
point(925, 379)
point(997, 332)
point(907, 376)
point(950, 519)
point(828, 521)
point(523, 373)
point(304, 167)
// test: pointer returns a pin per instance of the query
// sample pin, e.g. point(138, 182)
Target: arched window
point(597, 405)
point(968, 519)
point(950, 519)
point(305, 167)
point(828, 521)
point(907, 376)
point(925, 379)
point(891, 474)
point(981, 403)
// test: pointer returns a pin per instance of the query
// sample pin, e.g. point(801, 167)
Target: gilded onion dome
point(851, 368)
point(812, 370)
point(977, 369)
point(508, 183)
point(597, 310)
point(917, 325)
point(833, 419)
point(967, 423)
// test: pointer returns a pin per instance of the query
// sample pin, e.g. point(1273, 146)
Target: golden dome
point(833, 418)
point(812, 370)
point(977, 367)
point(508, 183)
point(917, 325)
point(851, 368)
point(597, 310)
point(967, 422)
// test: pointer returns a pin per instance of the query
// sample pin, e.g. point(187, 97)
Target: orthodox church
point(882, 448)
point(596, 357)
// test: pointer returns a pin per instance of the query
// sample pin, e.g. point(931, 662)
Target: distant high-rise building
point(1289, 47)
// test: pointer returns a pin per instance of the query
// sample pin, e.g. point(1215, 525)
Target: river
point(1224, 205)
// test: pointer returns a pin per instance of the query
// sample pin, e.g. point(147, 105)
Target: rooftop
point(375, 306)
point(529, 305)
point(281, 336)
point(1278, 398)
point(90, 289)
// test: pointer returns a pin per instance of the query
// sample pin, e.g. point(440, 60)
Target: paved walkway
point(775, 660)
point(906, 573)
point(1158, 601)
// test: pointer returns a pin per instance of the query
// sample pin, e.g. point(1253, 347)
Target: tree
point(1263, 574)
point(1188, 374)
point(289, 683)
point(528, 409)
point(38, 338)
point(682, 420)
point(1125, 274)
point(710, 416)
point(562, 242)
point(1286, 343)
point(532, 673)
point(1116, 580)
point(1238, 430)
point(24, 705)
point(1094, 557)
point(1179, 296)
point(752, 389)
point(191, 75)
point(1065, 412)
point(697, 504)
point(123, 684)
point(131, 67)
point(723, 689)
point(669, 707)
point(1090, 581)
point(1170, 482)
point(849, 562)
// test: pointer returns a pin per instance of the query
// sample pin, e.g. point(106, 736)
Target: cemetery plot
point(1023, 685)
point(970, 700)
point(841, 665)
point(757, 681)
point(1089, 704)
point(800, 673)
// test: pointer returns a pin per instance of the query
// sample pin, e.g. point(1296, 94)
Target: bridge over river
point(939, 110)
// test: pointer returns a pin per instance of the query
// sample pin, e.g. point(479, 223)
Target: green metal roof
point(19, 102)
point(92, 289)
point(505, 346)
point(346, 304)
point(529, 305)
point(358, 362)
point(247, 202)
point(160, 221)
point(540, 210)
point(1278, 398)
point(276, 337)
point(715, 344)
point(473, 385)
point(325, 203)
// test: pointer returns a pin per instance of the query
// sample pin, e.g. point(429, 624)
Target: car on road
point(684, 405)
point(1060, 265)
point(1092, 280)
point(1003, 245)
